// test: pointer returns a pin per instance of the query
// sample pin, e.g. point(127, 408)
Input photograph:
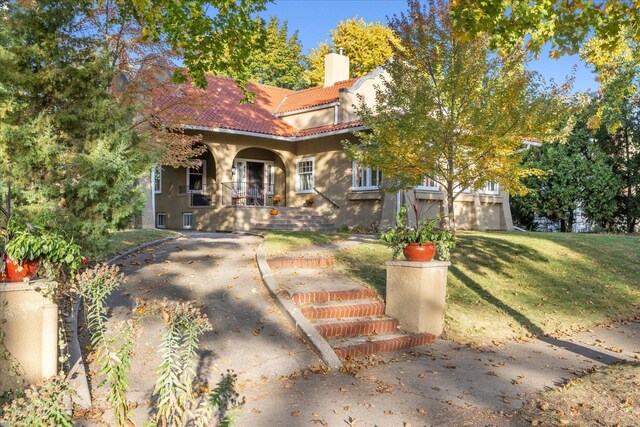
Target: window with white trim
point(365, 178)
point(161, 220)
point(428, 184)
point(304, 175)
point(157, 179)
point(196, 178)
point(187, 220)
point(490, 188)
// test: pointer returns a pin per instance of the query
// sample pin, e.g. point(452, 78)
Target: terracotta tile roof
point(312, 97)
point(219, 106)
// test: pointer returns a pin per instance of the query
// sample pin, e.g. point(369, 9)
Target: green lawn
point(120, 241)
point(280, 243)
point(506, 286)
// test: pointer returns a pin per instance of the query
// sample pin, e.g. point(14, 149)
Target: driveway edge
point(77, 375)
point(300, 323)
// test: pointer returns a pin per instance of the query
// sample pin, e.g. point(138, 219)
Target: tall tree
point(452, 110)
point(76, 126)
point(567, 25)
point(368, 46)
point(577, 176)
point(282, 62)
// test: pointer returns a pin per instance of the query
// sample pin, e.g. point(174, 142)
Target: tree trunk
point(627, 161)
point(451, 214)
point(563, 225)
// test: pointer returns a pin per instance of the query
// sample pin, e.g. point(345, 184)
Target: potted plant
point(276, 200)
point(28, 248)
point(308, 202)
point(420, 242)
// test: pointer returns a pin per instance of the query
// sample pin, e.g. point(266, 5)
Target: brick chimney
point(336, 68)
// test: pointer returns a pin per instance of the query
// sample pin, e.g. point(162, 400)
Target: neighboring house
point(288, 143)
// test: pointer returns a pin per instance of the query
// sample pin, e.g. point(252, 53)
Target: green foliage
point(578, 174)
point(452, 110)
point(66, 144)
point(201, 30)
point(184, 323)
point(52, 248)
point(40, 406)
point(424, 231)
point(114, 350)
point(281, 63)
point(368, 46)
point(566, 25)
point(222, 403)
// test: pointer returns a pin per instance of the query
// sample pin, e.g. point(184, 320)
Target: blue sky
point(315, 18)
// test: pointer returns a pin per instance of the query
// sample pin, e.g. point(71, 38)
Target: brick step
point(356, 347)
point(297, 222)
point(339, 311)
point(324, 262)
point(377, 326)
point(291, 227)
point(328, 296)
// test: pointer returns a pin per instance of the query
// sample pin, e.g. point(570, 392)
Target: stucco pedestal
point(416, 295)
point(30, 325)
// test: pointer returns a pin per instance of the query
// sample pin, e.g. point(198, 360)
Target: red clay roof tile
point(219, 106)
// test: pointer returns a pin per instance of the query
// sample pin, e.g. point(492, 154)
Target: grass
point(280, 243)
point(505, 286)
point(120, 241)
point(617, 403)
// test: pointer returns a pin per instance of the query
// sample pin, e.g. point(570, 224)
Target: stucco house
point(288, 144)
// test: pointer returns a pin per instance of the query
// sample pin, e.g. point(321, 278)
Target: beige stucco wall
point(311, 119)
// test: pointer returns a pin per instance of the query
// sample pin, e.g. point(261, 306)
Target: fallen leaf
point(295, 414)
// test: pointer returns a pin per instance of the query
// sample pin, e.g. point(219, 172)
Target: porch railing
point(247, 194)
point(197, 196)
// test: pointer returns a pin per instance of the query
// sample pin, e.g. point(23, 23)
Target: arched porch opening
point(259, 178)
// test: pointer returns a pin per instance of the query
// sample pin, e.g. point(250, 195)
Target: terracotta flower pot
point(28, 271)
point(417, 252)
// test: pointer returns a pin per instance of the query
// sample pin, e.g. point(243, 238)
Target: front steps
point(296, 219)
point(354, 323)
point(349, 316)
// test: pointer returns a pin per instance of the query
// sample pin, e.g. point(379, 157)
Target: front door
point(255, 183)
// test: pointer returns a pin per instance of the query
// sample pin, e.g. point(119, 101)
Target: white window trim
point(313, 174)
point(485, 189)
point(157, 175)
point(184, 216)
point(425, 187)
point(204, 179)
point(368, 179)
point(164, 222)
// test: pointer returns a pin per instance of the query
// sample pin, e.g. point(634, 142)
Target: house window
point(490, 188)
point(365, 178)
point(304, 175)
point(428, 184)
point(187, 220)
point(157, 179)
point(196, 178)
point(161, 220)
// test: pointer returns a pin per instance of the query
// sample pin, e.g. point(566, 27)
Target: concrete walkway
point(443, 384)
point(219, 272)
